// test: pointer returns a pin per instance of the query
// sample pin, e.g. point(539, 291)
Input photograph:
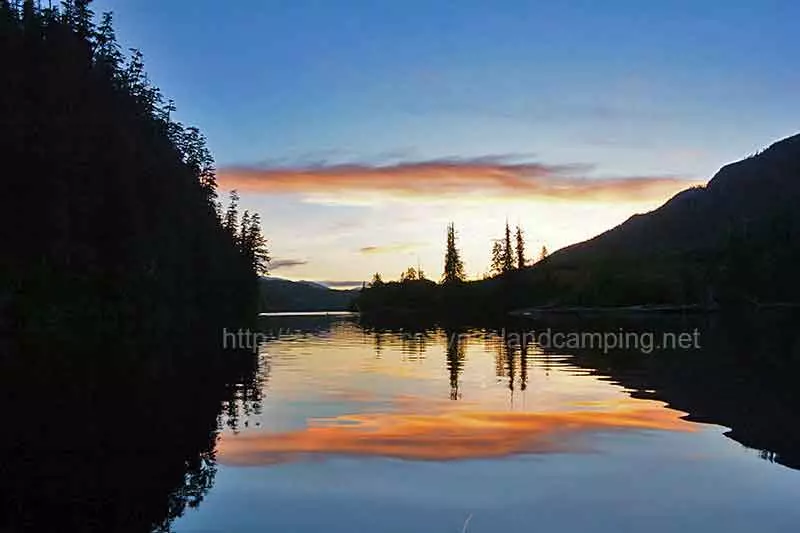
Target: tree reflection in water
point(115, 437)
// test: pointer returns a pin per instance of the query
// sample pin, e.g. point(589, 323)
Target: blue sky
point(626, 89)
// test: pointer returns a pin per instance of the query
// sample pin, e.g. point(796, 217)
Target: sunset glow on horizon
point(357, 132)
point(393, 217)
point(373, 231)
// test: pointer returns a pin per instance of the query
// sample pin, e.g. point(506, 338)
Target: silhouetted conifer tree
point(453, 266)
point(244, 232)
point(107, 50)
point(231, 220)
point(84, 18)
point(508, 251)
point(496, 265)
point(520, 248)
point(409, 275)
point(256, 246)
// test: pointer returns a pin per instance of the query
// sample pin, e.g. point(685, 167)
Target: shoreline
point(649, 309)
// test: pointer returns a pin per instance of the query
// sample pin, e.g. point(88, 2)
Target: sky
point(358, 130)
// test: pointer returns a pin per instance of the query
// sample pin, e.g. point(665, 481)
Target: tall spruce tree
point(520, 248)
point(255, 245)
point(453, 266)
point(231, 220)
point(508, 251)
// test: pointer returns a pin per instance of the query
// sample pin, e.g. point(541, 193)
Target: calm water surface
point(432, 430)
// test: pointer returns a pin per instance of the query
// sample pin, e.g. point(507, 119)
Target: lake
point(428, 428)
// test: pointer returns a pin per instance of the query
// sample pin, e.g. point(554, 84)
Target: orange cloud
point(452, 178)
point(444, 436)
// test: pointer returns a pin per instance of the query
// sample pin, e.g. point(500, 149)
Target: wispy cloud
point(277, 264)
point(493, 176)
point(389, 248)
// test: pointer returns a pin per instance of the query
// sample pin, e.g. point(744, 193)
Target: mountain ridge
point(736, 237)
point(279, 294)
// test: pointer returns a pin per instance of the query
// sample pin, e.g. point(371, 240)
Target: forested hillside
point(735, 240)
point(111, 219)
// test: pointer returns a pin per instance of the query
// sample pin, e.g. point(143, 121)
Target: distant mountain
point(277, 294)
point(314, 284)
point(737, 238)
point(746, 196)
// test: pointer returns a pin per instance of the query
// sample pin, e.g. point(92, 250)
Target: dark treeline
point(119, 271)
point(454, 298)
point(509, 254)
point(112, 217)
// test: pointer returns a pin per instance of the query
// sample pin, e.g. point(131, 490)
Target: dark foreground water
point(340, 424)
point(430, 429)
